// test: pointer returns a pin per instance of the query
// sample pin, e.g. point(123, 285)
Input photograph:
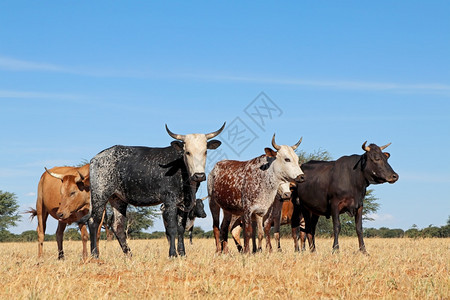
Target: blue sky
point(77, 78)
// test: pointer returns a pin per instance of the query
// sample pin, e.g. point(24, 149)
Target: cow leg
point(42, 221)
point(120, 219)
point(181, 224)
point(312, 232)
point(84, 239)
point(215, 212)
point(302, 234)
point(171, 223)
point(190, 234)
point(236, 232)
point(267, 225)
point(295, 223)
point(336, 228)
point(254, 249)
point(248, 230)
point(98, 204)
point(224, 227)
point(59, 239)
point(259, 223)
point(359, 230)
point(276, 225)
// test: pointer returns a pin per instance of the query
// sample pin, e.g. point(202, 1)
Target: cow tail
point(31, 211)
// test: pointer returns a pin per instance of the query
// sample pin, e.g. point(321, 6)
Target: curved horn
point(364, 147)
point(385, 146)
point(81, 176)
point(174, 135)
point(204, 198)
point(298, 144)
point(215, 133)
point(58, 176)
point(275, 144)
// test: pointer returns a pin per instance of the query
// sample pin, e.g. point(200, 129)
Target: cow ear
point(178, 145)
point(213, 144)
point(270, 152)
point(387, 154)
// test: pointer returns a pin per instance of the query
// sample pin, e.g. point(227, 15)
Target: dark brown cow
point(248, 189)
point(64, 193)
point(336, 187)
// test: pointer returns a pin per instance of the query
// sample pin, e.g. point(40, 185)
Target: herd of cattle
point(251, 194)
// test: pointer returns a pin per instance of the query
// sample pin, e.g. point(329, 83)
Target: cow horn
point(298, 144)
point(174, 135)
point(215, 133)
point(59, 176)
point(275, 144)
point(204, 198)
point(365, 148)
point(81, 176)
point(385, 146)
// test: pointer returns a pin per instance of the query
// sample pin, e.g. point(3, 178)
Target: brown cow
point(248, 188)
point(64, 193)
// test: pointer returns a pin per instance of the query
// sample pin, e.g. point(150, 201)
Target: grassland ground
point(396, 269)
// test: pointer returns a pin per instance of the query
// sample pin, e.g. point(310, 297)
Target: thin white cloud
point(8, 63)
point(8, 94)
point(30, 194)
point(12, 64)
point(381, 217)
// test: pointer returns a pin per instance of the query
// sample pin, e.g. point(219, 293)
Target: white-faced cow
point(144, 176)
point(270, 219)
point(63, 192)
point(248, 188)
point(336, 187)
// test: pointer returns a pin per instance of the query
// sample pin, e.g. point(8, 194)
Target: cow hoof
point(364, 252)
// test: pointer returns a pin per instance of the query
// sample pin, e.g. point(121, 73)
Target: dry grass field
point(395, 269)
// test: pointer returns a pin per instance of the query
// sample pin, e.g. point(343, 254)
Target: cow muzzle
point(300, 178)
point(285, 196)
point(198, 177)
point(393, 178)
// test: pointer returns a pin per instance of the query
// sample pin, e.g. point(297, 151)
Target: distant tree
point(139, 218)
point(8, 210)
point(27, 236)
point(6, 236)
point(412, 233)
point(319, 154)
point(72, 234)
point(431, 231)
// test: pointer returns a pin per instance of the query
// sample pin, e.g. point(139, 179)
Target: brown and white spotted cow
point(280, 213)
point(283, 193)
point(248, 188)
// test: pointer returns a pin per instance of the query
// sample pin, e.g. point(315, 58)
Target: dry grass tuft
point(395, 269)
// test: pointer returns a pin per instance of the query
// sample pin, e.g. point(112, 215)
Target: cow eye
point(377, 158)
point(287, 160)
point(188, 153)
point(72, 193)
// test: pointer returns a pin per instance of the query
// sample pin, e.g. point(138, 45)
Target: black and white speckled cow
point(143, 176)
